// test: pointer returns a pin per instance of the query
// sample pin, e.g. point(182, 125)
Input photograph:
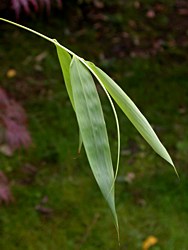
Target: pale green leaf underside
point(132, 112)
point(93, 129)
point(87, 63)
point(65, 61)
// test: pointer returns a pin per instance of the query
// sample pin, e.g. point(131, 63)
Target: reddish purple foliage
point(28, 5)
point(13, 120)
point(16, 134)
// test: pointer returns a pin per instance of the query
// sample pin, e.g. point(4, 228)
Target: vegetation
point(40, 209)
point(28, 6)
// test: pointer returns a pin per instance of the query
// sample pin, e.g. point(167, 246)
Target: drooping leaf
point(132, 112)
point(65, 60)
point(93, 130)
point(86, 63)
point(118, 130)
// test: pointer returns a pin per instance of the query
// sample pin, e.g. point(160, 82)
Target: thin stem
point(39, 34)
point(28, 29)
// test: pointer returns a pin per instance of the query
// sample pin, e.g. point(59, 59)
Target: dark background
point(49, 198)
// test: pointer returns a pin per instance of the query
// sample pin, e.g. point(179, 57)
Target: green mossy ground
point(155, 203)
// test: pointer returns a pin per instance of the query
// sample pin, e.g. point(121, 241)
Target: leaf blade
point(133, 113)
point(87, 64)
point(65, 61)
point(93, 130)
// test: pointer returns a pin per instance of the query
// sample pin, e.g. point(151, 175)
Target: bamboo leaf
point(87, 64)
point(118, 130)
point(132, 112)
point(93, 130)
point(65, 61)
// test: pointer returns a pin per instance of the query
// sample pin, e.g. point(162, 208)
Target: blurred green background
point(57, 205)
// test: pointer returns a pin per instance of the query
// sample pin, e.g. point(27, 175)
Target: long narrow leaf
point(118, 130)
point(93, 130)
point(65, 61)
point(132, 112)
point(87, 64)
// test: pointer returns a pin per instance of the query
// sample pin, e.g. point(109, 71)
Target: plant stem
point(39, 34)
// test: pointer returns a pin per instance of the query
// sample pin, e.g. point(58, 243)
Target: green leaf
point(87, 63)
point(65, 61)
point(93, 130)
point(132, 112)
point(117, 128)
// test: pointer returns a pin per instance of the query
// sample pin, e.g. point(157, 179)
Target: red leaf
point(35, 5)
point(13, 123)
point(25, 5)
point(16, 7)
point(16, 135)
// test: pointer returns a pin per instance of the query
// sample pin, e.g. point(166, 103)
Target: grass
point(155, 203)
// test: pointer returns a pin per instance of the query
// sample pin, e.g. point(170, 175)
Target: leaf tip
point(172, 164)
